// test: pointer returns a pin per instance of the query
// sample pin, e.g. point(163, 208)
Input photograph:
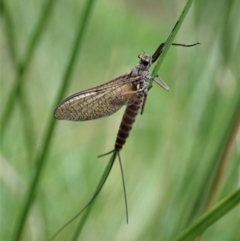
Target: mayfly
point(129, 90)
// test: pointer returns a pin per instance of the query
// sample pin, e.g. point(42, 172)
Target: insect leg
point(161, 83)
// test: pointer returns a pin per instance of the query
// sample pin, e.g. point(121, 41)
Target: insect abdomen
point(127, 122)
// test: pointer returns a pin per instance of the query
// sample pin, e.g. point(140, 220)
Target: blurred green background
point(183, 153)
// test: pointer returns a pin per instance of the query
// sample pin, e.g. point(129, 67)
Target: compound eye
point(145, 62)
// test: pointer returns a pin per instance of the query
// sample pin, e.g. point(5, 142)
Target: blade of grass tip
point(43, 151)
point(198, 227)
point(14, 92)
point(171, 37)
point(98, 189)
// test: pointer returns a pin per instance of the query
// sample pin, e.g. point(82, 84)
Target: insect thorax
point(141, 84)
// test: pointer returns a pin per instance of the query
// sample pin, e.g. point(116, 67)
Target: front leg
point(160, 82)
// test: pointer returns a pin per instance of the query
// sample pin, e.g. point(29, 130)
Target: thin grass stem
point(23, 67)
point(43, 152)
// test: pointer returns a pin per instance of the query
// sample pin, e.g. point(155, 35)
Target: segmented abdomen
point(127, 122)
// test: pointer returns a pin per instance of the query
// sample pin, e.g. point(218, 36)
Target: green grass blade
point(25, 110)
point(98, 189)
point(14, 93)
point(88, 206)
point(221, 158)
point(9, 32)
point(41, 157)
point(171, 37)
point(210, 217)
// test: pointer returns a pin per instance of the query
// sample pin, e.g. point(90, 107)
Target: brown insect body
point(132, 110)
point(128, 119)
point(130, 89)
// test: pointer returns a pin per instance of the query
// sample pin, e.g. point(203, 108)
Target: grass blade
point(41, 157)
point(222, 157)
point(98, 189)
point(210, 217)
point(25, 110)
point(88, 206)
point(170, 39)
point(14, 93)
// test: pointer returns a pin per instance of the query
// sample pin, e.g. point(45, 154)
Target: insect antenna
point(143, 51)
point(99, 188)
point(116, 152)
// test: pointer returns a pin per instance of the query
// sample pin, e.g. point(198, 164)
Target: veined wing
point(97, 102)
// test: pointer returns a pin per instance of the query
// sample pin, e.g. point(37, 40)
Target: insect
point(130, 89)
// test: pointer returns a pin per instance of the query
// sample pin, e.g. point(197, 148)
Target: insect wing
point(97, 102)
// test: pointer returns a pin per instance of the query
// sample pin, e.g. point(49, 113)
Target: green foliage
point(182, 156)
